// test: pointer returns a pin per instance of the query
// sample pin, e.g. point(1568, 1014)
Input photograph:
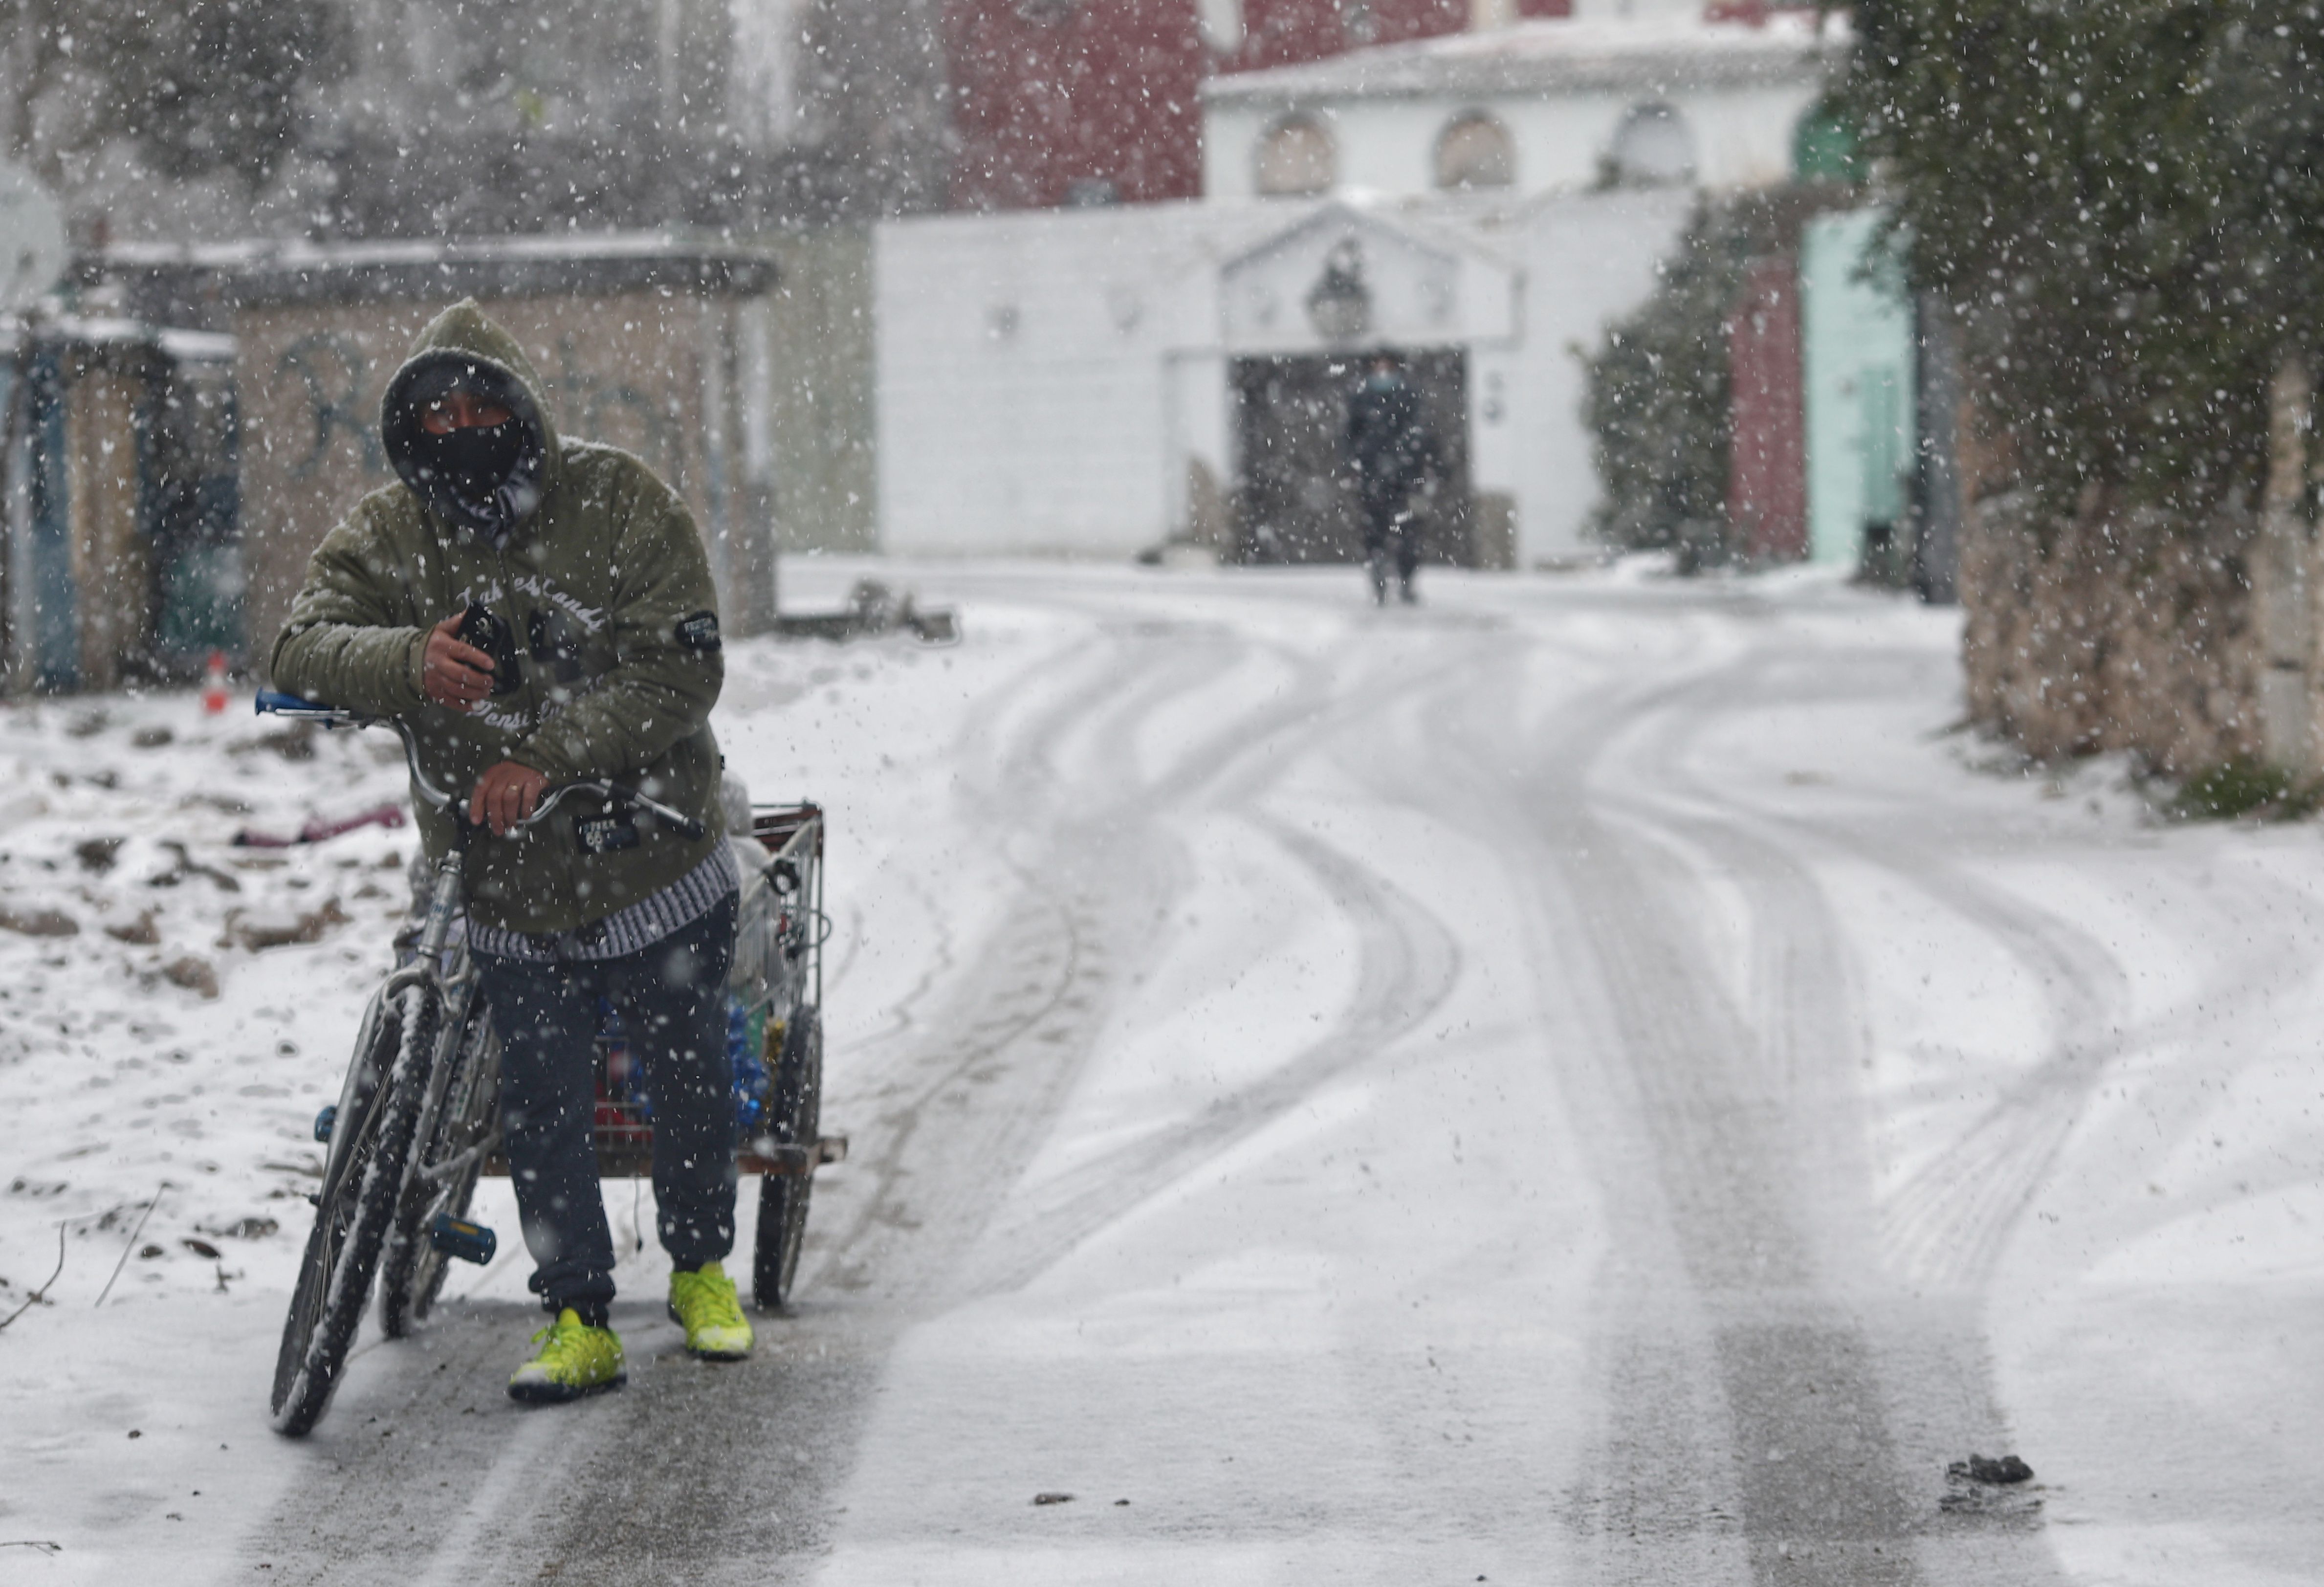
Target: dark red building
point(1768, 480)
point(1097, 101)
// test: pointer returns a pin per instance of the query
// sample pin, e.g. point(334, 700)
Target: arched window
point(1475, 151)
point(1296, 158)
point(1654, 147)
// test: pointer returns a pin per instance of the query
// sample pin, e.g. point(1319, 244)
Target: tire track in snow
point(1804, 1370)
point(1408, 962)
point(1945, 1228)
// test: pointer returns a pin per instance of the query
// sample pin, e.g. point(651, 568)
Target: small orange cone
point(214, 684)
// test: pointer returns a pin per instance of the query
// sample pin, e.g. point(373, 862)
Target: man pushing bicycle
point(539, 611)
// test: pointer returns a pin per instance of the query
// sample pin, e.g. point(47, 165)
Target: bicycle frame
point(441, 954)
point(382, 1201)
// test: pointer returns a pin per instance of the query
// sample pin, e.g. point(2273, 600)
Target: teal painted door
point(1857, 351)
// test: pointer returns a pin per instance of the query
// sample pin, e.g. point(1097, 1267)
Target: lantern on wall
point(1340, 304)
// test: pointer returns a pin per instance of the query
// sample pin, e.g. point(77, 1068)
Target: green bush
point(1658, 387)
point(2244, 787)
point(2123, 202)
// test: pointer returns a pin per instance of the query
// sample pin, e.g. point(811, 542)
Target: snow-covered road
point(1585, 1082)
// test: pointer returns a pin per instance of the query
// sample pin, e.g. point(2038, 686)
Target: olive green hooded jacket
point(606, 592)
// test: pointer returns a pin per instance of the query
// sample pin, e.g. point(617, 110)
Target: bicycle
point(416, 1124)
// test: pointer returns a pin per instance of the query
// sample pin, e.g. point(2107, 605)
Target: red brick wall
point(1049, 94)
point(1767, 488)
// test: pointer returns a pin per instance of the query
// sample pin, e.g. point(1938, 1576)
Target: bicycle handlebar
point(274, 703)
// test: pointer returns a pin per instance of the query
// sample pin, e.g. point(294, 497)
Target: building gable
point(1341, 277)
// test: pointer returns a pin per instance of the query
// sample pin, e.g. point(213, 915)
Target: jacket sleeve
point(348, 642)
point(667, 668)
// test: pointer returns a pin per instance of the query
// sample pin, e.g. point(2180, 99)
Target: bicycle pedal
point(456, 1237)
point(324, 1120)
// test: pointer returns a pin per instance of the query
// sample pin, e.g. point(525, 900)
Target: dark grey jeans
point(672, 1000)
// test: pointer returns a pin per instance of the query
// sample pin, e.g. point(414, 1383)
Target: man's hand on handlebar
point(505, 795)
point(456, 675)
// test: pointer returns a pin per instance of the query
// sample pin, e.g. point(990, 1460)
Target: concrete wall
point(1023, 400)
point(809, 347)
point(1742, 137)
point(1058, 382)
point(654, 372)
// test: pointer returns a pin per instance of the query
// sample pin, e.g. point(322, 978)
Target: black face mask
point(474, 461)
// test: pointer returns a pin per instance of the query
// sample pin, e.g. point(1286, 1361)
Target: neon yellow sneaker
point(703, 1303)
point(574, 1359)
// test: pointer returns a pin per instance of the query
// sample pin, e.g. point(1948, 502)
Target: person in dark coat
point(1393, 453)
point(589, 570)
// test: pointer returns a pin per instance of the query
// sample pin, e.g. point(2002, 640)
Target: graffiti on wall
point(334, 376)
point(332, 370)
point(617, 414)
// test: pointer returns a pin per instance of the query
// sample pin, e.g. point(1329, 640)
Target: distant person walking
point(1393, 453)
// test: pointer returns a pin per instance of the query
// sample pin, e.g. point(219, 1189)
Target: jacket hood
point(462, 346)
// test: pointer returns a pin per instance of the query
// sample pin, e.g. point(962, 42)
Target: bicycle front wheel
point(362, 1182)
point(413, 1270)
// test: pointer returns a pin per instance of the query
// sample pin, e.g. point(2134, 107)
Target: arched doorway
point(1296, 496)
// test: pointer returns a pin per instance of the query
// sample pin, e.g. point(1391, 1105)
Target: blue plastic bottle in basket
point(624, 1073)
point(744, 1031)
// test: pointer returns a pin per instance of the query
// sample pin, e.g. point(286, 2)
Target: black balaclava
point(479, 478)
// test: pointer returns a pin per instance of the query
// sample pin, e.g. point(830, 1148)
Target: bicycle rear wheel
point(798, 1098)
point(361, 1184)
point(412, 1270)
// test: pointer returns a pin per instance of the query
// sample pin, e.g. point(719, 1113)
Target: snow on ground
point(168, 1084)
point(1366, 1337)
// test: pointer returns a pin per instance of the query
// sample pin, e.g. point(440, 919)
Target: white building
point(1539, 106)
point(1097, 382)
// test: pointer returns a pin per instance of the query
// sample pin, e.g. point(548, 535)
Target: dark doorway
point(1297, 498)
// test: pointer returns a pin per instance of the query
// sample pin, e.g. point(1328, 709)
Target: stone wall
point(2116, 630)
point(819, 352)
point(2191, 644)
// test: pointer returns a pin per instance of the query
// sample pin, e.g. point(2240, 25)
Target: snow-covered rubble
point(174, 1009)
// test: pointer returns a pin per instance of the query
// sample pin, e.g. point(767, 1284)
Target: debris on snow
point(38, 922)
point(98, 853)
point(192, 973)
point(295, 741)
point(319, 830)
point(257, 931)
point(188, 865)
point(1985, 1487)
point(1979, 1468)
point(140, 932)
